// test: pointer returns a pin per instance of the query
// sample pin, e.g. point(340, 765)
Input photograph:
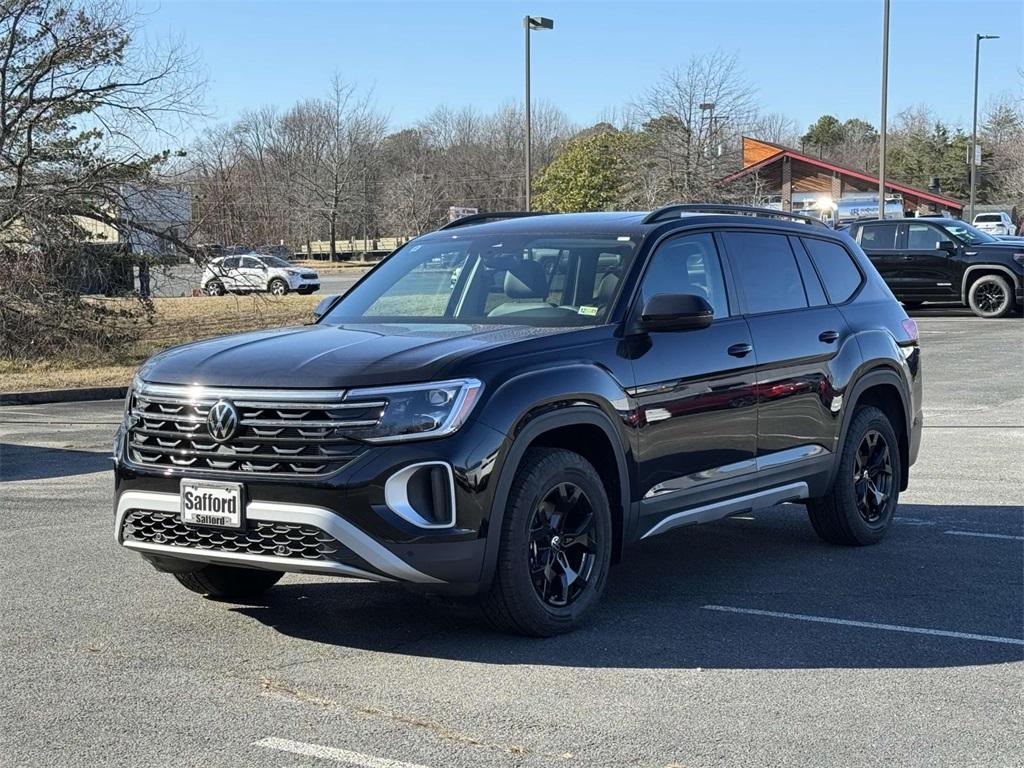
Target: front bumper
point(347, 512)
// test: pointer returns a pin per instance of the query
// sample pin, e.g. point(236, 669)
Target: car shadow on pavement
point(654, 612)
point(31, 462)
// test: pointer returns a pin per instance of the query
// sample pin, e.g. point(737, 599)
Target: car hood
point(1003, 246)
point(331, 356)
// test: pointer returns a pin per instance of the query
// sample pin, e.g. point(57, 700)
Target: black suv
point(500, 407)
point(939, 259)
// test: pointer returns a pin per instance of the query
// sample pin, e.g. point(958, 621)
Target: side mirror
point(948, 246)
point(325, 305)
point(676, 312)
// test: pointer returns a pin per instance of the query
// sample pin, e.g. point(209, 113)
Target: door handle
point(740, 350)
point(829, 337)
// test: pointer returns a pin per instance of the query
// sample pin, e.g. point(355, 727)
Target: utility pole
point(974, 125)
point(885, 103)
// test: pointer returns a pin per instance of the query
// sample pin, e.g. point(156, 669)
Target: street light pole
point(531, 23)
point(974, 125)
point(885, 104)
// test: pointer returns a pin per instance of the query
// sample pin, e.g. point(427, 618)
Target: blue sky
point(804, 58)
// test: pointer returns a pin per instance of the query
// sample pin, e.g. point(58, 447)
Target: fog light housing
point(423, 494)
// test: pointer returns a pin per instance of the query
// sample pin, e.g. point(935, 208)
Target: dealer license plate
point(205, 502)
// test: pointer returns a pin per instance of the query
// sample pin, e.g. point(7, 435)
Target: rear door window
point(765, 268)
point(836, 267)
point(878, 237)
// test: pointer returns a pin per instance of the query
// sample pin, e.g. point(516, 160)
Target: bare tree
point(693, 144)
point(76, 96)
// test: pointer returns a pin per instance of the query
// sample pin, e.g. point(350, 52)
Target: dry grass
point(176, 321)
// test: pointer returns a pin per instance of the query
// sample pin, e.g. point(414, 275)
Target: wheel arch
point(975, 271)
point(883, 388)
point(583, 429)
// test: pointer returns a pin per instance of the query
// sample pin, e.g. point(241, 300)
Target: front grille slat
point(291, 540)
point(282, 433)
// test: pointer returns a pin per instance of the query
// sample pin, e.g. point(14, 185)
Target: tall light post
point(531, 23)
point(974, 127)
point(885, 104)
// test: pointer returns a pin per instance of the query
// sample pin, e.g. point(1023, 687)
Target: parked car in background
point(589, 381)
point(947, 260)
point(995, 223)
point(255, 272)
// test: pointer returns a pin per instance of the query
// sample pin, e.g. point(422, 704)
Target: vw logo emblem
point(222, 421)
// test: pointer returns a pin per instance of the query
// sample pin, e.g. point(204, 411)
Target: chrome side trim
point(677, 484)
point(769, 461)
point(719, 509)
point(790, 455)
point(396, 495)
point(352, 537)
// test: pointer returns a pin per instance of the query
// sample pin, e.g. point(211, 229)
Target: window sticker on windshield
point(585, 310)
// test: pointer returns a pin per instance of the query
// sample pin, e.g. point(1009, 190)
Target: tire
point(850, 511)
point(214, 288)
point(224, 582)
point(532, 593)
point(277, 287)
point(990, 296)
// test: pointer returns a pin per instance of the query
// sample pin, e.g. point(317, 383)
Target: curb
point(62, 395)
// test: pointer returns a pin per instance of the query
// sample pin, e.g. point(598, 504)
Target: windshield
point(967, 234)
point(987, 218)
point(541, 280)
point(274, 261)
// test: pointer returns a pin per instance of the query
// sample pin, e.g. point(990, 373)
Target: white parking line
point(985, 535)
point(869, 625)
point(332, 753)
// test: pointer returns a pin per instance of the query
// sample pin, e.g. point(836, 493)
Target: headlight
point(417, 412)
point(293, 272)
point(1019, 257)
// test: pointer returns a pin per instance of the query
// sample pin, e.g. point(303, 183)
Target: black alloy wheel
point(872, 477)
point(555, 548)
point(990, 297)
point(563, 545)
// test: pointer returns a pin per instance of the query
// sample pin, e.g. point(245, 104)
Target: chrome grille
point(289, 432)
point(304, 542)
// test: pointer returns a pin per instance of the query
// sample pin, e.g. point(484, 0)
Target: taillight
point(910, 328)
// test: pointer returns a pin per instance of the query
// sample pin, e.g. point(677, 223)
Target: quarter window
point(836, 268)
point(878, 237)
point(766, 270)
point(687, 264)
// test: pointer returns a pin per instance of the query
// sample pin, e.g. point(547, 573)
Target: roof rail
point(675, 210)
point(480, 218)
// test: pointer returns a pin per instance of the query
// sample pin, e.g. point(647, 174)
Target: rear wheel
point(859, 506)
point(227, 583)
point(215, 288)
point(555, 549)
point(990, 296)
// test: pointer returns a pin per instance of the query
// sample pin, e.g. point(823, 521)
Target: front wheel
point(278, 287)
point(555, 550)
point(990, 296)
point(227, 583)
point(859, 506)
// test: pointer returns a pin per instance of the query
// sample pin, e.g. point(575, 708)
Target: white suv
point(994, 223)
point(253, 272)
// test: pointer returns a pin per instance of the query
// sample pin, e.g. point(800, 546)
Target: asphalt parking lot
point(742, 643)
